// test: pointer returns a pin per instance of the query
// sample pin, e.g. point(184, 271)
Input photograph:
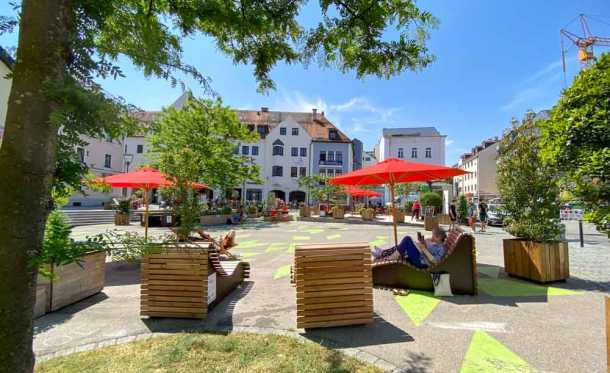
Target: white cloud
point(297, 102)
point(449, 142)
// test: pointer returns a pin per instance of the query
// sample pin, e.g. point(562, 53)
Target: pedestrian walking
point(416, 209)
point(483, 215)
point(472, 216)
point(452, 215)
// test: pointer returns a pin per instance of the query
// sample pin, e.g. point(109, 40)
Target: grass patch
point(182, 353)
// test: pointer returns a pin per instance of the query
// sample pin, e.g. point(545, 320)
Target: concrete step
point(80, 217)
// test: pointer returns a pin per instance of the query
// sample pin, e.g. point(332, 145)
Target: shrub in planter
point(304, 211)
point(400, 215)
point(121, 212)
point(530, 192)
point(338, 212)
point(68, 270)
point(432, 200)
point(367, 213)
point(462, 209)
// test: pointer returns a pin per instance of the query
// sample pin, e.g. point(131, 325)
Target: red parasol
point(393, 171)
point(145, 178)
point(357, 192)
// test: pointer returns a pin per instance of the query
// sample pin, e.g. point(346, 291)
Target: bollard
point(582, 241)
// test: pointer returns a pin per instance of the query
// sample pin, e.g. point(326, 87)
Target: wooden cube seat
point(333, 285)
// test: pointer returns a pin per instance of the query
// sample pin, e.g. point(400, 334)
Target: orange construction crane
point(584, 42)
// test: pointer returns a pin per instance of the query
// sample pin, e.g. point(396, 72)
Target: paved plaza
point(510, 326)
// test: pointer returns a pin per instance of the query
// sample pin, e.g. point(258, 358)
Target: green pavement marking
point(243, 235)
point(301, 238)
point(248, 254)
point(379, 242)
point(487, 354)
point(491, 271)
point(276, 246)
point(314, 231)
point(513, 288)
point(283, 271)
point(385, 238)
point(333, 236)
point(417, 305)
point(291, 248)
point(249, 244)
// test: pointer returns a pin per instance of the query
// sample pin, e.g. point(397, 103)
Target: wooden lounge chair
point(459, 262)
point(186, 280)
point(333, 285)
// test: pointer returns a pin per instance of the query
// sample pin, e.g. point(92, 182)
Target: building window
point(401, 153)
point(414, 153)
point(303, 152)
point(108, 138)
point(254, 195)
point(322, 172)
point(367, 159)
point(428, 152)
point(295, 132)
point(331, 156)
point(277, 171)
point(339, 157)
point(294, 171)
point(333, 134)
point(323, 156)
point(283, 131)
point(302, 171)
point(140, 149)
point(338, 172)
point(245, 150)
point(278, 147)
point(81, 154)
point(236, 150)
point(254, 150)
point(294, 151)
point(107, 161)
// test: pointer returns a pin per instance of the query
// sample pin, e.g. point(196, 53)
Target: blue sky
point(495, 60)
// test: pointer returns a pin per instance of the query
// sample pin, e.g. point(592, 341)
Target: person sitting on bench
point(421, 253)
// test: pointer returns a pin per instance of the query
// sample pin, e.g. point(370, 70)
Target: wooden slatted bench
point(174, 282)
point(333, 285)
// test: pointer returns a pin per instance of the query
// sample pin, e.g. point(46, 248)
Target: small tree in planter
point(462, 209)
point(121, 212)
point(530, 193)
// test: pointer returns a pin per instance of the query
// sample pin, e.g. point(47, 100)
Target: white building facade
point(480, 183)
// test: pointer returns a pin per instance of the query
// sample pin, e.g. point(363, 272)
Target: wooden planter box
point(121, 219)
point(400, 216)
point(315, 210)
point(444, 219)
point(174, 283)
point(368, 214)
point(72, 283)
point(304, 211)
point(430, 222)
point(338, 213)
point(333, 285)
point(536, 261)
point(214, 219)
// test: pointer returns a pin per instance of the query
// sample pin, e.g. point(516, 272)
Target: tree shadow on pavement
point(52, 319)
point(122, 273)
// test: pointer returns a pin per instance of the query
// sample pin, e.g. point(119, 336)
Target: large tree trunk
point(27, 160)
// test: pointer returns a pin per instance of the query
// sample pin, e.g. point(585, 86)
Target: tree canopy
point(576, 140)
point(528, 187)
point(65, 46)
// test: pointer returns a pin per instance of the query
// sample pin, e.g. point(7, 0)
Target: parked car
point(495, 215)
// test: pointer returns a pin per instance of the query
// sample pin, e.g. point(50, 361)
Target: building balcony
point(330, 163)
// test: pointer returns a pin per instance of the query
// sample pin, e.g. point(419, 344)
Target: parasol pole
point(393, 211)
point(145, 214)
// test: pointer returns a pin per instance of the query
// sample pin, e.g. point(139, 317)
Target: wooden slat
point(338, 311)
point(198, 293)
point(359, 273)
point(326, 324)
point(182, 315)
point(306, 288)
point(147, 303)
point(169, 298)
point(150, 308)
point(328, 300)
point(343, 316)
point(174, 282)
point(313, 259)
point(154, 276)
point(329, 306)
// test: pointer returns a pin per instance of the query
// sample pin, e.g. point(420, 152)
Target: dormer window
point(333, 134)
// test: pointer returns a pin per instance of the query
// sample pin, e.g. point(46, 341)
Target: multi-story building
point(358, 149)
point(290, 145)
point(368, 158)
point(418, 144)
point(481, 180)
